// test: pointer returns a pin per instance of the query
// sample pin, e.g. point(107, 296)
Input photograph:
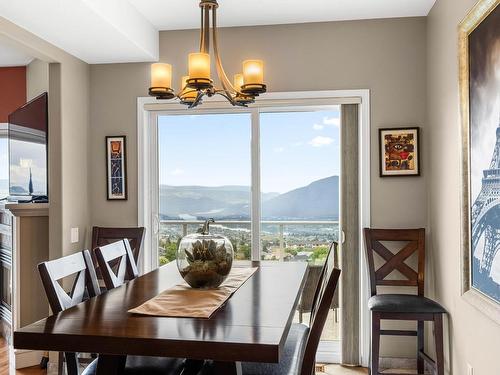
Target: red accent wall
point(12, 90)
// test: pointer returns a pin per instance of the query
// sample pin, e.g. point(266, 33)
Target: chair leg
point(438, 337)
point(420, 346)
point(375, 344)
point(60, 364)
point(71, 363)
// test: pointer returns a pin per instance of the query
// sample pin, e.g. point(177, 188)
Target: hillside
point(318, 200)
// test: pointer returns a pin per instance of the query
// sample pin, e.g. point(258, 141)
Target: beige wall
point(385, 56)
point(68, 138)
point(37, 78)
point(474, 338)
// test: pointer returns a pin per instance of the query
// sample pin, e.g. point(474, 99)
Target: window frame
point(148, 110)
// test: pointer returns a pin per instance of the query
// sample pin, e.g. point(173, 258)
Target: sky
point(296, 149)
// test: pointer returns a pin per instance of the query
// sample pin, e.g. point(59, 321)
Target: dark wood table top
point(251, 326)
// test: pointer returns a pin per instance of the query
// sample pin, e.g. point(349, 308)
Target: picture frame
point(399, 152)
point(116, 168)
point(479, 89)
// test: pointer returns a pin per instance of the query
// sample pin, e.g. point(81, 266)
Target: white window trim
point(147, 108)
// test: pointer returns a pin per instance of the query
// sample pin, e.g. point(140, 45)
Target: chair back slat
point(321, 305)
point(84, 286)
point(395, 261)
point(66, 266)
point(53, 271)
point(116, 256)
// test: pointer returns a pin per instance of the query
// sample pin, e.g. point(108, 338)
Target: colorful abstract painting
point(399, 154)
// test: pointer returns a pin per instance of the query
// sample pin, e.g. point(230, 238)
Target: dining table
point(251, 326)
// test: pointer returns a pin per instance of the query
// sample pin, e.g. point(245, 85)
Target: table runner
point(186, 302)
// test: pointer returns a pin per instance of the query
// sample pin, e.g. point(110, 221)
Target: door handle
point(156, 224)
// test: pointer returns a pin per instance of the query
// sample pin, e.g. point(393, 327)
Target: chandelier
point(198, 83)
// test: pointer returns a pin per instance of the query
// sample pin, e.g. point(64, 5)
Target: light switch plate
point(74, 235)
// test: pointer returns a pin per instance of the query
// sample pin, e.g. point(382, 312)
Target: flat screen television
point(28, 142)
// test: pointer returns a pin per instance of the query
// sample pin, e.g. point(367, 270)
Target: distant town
point(304, 220)
point(305, 242)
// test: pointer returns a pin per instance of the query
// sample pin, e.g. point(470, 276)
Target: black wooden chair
point(120, 254)
point(84, 286)
point(103, 236)
point(299, 354)
point(402, 306)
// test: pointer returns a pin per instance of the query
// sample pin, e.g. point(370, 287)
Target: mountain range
point(318, 200)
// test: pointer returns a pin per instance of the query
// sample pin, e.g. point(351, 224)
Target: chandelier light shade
point(199, 83)
point(238, 81)
point(187, 95)
point(199, 66)
point(161, 81)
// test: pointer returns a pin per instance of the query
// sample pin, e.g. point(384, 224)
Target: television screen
point(28, 135)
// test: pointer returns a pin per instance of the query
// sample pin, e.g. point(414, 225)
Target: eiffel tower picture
point(485, 225)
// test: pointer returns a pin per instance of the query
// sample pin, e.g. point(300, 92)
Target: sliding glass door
point(270, 179)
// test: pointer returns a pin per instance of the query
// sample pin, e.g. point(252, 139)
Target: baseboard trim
point(27, 358)
point(328, 352)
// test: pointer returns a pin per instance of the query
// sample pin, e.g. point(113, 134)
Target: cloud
point(335, 121)
point(318, 127)
point(279, 149)
point(320, 141)
point(297, 144)
point(177, 172)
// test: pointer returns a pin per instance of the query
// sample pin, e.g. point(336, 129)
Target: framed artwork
point(479, 51)
point(116, 168)
point(399, 152)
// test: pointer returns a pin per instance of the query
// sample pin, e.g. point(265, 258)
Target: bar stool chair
point(402, 306)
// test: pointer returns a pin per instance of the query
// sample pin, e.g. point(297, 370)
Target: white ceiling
point(109, 31)
point(96, 31)
point(11, 56)
point(185, 14)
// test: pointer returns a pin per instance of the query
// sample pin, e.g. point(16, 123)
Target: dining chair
point(401, 306)
point(105, 235)
point(84, 286)
point(120, 252)
point(313, 275)
point(299, 354)
point(117, 263)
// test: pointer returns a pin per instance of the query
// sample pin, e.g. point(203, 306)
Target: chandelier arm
point(206, 29)
point(226, 84)
point(197, 100)
point(202, 28)
point(230, 99)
